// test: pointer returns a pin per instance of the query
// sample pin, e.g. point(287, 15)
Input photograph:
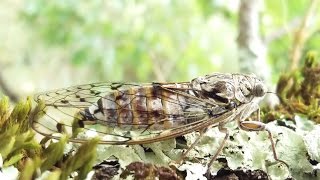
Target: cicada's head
point(226, 88)
point(249, 87)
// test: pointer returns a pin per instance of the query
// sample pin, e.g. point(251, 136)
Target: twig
point(13, 97)
point(302, 34)
point(282, 31)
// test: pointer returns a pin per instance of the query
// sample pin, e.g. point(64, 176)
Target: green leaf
point(4, 111)
point(37, 112)
point(310, 59)
point(6, 145)
point(25, 141)
point(76, 128)
point(82, 161)
point(53, 153)
point(30, 168)
point(14, 159)
point(19, 115)
point(8, 140)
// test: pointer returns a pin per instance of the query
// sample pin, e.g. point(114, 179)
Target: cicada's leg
point(258, 114)
point(202, 131)
point(225, 131)
point(259, 126)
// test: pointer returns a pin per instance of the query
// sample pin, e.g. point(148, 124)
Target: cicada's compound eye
point(259, 90)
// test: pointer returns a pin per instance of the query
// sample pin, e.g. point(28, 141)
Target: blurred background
point(52, 44)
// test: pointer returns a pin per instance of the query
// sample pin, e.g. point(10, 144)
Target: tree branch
point(282, 31)
point(6, 90)
point(302, 34)
point(252, 51)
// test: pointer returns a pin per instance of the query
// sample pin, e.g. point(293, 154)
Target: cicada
point(133, 113)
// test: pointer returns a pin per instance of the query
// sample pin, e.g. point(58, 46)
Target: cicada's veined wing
point(130, 113)
point(127, 113)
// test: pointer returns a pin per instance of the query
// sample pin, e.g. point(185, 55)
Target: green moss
point(19, 147)
point(82, 161)
point(17, 140)
point(299, 91)
point(19, 115)
point(30, 168)
point(53, 153)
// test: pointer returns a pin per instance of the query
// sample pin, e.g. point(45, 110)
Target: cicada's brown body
point(132, 113)
point(141, 106)
point(153, 107)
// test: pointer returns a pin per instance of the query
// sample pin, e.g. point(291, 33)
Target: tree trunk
point(252, 51)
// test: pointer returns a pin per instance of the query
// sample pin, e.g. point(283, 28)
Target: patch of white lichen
point(244, 150)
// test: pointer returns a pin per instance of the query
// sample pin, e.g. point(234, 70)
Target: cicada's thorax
point(219, 89)
point(229, 88)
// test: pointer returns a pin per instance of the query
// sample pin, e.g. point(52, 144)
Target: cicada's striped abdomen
point(142, 106)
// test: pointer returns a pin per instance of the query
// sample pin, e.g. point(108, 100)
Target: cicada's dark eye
point(259, 90)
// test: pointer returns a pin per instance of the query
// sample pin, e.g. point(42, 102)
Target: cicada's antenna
point(270, 92)
point(274, 93)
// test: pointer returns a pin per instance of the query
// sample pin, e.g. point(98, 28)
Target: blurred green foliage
point(158, 40)
point(286, 16)
point(130, 39)
point(54, 44)
point(17, 139)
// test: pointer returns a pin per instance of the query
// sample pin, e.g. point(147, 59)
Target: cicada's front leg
point(226, 132)
point(221, 129)
point(260, 126)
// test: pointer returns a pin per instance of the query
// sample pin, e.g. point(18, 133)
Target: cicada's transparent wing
point(125, 113)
